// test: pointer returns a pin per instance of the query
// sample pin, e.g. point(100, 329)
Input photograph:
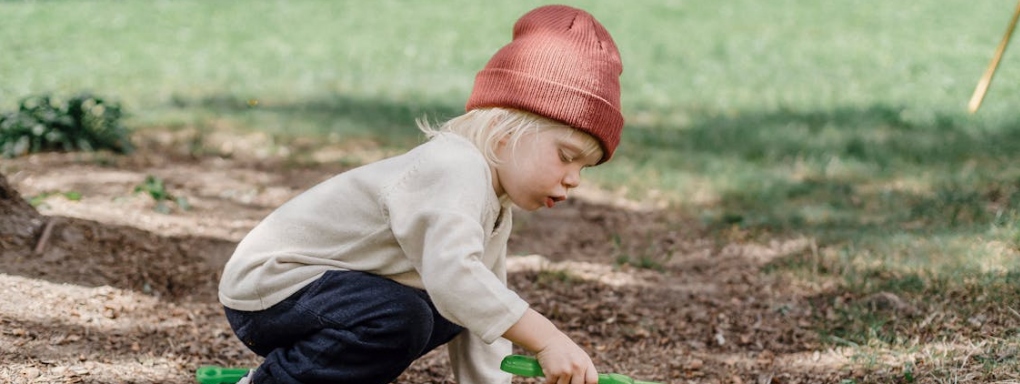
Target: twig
point(929, 319)
point(1014, 311)
point(970, 352)
point(814, 256)
point(40, 246)
point(986, 79)
point(840, 340)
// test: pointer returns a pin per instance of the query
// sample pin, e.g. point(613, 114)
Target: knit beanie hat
point(561, 64)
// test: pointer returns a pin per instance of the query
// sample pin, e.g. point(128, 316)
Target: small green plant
point(38, 200)
point(908, 373)
point(547, 276)
point(644, 261)
point(84, 122)
point(156, 188)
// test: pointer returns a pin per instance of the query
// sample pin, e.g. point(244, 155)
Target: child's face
point(543, 167)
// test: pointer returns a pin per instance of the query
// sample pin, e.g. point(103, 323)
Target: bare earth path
point(119, 293)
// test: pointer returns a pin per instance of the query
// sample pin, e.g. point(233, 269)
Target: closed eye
point(565, 157)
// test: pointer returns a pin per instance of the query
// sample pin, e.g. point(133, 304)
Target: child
point(354, 279)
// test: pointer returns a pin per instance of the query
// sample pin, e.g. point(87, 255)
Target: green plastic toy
point(523, 366)
point(211, 374)
point(527, 366)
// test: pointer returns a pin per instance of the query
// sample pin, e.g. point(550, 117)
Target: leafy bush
point(84, 122)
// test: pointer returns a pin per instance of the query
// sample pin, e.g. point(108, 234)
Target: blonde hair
point(485, 127)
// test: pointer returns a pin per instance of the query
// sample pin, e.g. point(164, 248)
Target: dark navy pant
point(345, 327)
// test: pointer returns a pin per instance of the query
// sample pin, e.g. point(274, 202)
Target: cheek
point(536, 164)
point(550, 167)
point(554, 174)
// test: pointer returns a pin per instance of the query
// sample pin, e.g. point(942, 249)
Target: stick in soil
point(40, 246)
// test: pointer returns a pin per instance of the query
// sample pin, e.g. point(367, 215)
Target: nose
point(573, 178)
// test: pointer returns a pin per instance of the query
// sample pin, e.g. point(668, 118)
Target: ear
point(505, 138)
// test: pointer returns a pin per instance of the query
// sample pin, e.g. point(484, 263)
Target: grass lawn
point(843, 121)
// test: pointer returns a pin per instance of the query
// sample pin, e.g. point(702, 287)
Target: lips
point(552, 200)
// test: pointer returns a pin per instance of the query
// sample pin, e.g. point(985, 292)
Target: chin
point(533, 209)
point(530, 207)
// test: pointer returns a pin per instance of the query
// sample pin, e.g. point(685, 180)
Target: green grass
point(840, 120)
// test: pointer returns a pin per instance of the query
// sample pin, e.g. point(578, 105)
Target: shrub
point(84, 122)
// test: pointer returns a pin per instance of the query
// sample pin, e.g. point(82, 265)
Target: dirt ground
point(104, 289)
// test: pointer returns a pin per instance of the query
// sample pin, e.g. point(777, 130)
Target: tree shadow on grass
point(879, 134)
point(388, 122)
point(848, 169)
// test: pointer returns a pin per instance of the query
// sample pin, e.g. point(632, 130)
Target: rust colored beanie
point(561, 64)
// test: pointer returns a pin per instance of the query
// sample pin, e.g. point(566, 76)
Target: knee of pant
point(406, 323)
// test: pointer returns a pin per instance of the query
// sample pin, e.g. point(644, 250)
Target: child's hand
point(564, 362)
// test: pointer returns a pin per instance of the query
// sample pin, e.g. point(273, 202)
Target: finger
point(591, 376)
point(566, 379)
point(579, 378)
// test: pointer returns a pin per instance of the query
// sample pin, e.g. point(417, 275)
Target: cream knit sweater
point(428, 219)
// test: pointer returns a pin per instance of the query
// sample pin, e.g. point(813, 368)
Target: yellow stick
point(986, 80)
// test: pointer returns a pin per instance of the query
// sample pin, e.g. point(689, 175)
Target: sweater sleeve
point(476, 362)
point(438, 213)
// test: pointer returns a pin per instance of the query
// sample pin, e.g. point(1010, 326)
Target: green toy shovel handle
point(211, 374)
point(526, 366)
